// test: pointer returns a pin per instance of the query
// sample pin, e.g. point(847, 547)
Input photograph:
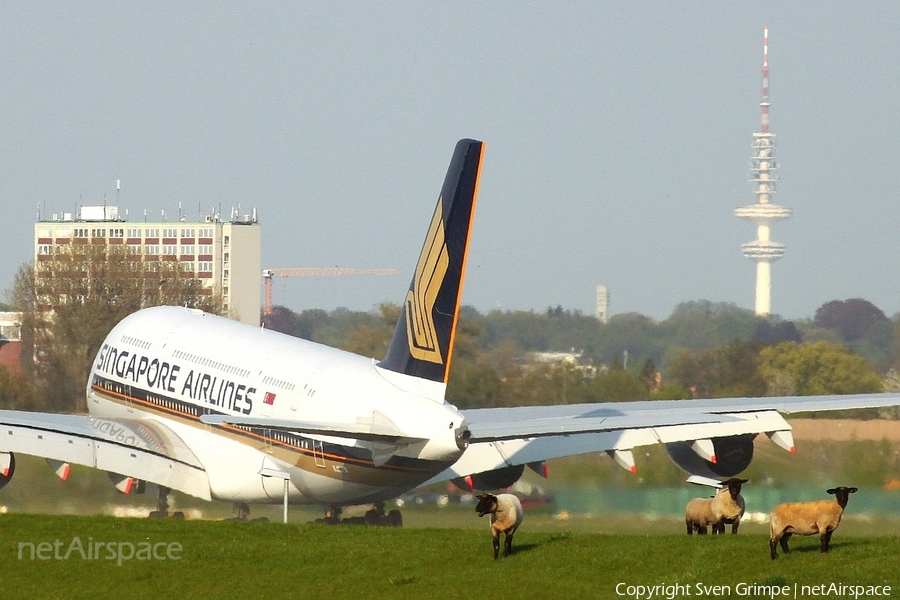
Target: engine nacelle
point(7, 467)
point(733, 455)
point(491, 480)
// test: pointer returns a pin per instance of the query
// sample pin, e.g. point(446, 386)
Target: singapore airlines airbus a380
point(217, 409)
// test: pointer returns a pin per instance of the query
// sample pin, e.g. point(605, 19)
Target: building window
point(98, 232)
point(170, 249)
point(206, 232)
point(81, 232)
point(225, 275)
point(45, 249)
point(204, 249)
point(116, 232)
point(152, 232)
point(152, 250)
point(187, 233)
point(187, 250)
point(134, 233)
point(170, 232)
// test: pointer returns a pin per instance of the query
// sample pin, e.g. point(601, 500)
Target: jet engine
point(491, 480)
point(732, 455)
point(7, 467)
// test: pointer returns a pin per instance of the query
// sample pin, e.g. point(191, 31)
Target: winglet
point(422, 345)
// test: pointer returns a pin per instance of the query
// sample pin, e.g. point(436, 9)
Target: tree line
point(703, 349)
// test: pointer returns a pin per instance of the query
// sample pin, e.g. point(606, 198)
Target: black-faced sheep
point(807, 518)
point(506, 516)
point(727, 506)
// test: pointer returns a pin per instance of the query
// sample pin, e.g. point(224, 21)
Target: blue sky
point(618, 139)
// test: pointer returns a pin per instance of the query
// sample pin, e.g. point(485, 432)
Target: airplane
point(221, 410)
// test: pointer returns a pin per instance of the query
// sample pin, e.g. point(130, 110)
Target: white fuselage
point(174, 365)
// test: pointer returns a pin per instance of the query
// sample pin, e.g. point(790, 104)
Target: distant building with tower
point(602, 309)
point(762, 175)
point(223, 254)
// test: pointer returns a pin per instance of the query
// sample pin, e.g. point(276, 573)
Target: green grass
point(446, 552)
point(256, 560)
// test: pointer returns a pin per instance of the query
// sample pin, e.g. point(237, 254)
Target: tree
point(695, 371)
point(15, 392)
point(283, 320)
point(76, 296)
point(770, 333)
point(726, 371)
point(852, 318)
point(816, 368)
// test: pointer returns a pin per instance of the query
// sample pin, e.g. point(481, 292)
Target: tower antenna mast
point(762, 175)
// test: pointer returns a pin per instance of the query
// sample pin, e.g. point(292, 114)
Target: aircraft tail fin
point(422, 345)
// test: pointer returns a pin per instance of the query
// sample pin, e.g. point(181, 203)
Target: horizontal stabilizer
point(377, 429)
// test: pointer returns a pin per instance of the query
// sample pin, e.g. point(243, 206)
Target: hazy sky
point(618, 139)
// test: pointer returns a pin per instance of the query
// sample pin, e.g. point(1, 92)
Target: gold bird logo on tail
point(420, 300)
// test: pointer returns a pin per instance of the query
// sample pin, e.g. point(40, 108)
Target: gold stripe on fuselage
point(308, 457)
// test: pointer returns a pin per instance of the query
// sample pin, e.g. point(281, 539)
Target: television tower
point(762, 167)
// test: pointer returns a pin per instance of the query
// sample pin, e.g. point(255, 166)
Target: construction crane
point(268, 274)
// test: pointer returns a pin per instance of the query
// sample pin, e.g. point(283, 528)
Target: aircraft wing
point(139, 449)
point(504, 437)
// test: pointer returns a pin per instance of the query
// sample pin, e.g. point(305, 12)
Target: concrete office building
point(224, 254)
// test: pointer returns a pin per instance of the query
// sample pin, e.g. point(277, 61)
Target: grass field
point(220, 559)
point(445, 552)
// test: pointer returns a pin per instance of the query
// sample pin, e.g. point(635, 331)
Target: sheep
point(506, 516)
point(807, 518)
point(727, 506)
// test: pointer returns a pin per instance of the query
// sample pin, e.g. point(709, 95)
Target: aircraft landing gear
point(332, 516)
point(241, 512)
point(162, 506)
point(374, 516)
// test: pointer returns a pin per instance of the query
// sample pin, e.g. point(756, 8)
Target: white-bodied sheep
point(727, 506)
point(506, 516)
point(807, 518)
